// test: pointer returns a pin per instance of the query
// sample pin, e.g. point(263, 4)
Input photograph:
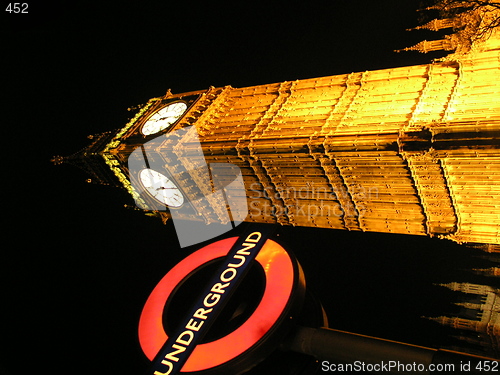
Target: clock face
point(165, 117)
point(161, 188)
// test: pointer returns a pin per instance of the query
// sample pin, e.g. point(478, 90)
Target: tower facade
point(409, 150)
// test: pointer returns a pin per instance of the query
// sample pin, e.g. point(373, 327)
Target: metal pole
point(344, 351)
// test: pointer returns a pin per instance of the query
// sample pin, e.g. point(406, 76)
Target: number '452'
point(487, 366)
point(17, 8)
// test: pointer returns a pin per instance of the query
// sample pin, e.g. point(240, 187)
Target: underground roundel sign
point(184, 348)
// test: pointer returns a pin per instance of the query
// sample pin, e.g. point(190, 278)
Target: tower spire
point(89, 159)
point(472, 22)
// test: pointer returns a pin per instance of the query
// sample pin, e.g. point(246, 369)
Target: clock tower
point(408, 150)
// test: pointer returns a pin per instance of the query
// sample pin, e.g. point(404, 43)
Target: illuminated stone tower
point(412, 150)
point(479, 321)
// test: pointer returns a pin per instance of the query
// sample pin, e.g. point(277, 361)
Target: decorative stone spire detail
point(90, 161)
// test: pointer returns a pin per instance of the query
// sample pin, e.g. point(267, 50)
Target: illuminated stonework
point(412, 150)
point(481, 315)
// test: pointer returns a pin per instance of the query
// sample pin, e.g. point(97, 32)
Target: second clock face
point(165, 117)
point(161, 188)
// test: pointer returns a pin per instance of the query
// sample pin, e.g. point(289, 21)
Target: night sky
point(76, 266)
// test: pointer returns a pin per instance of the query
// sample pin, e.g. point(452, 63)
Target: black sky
point(77, 267)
